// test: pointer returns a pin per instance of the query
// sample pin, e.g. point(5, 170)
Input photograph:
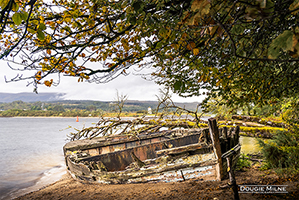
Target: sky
point(134, 86)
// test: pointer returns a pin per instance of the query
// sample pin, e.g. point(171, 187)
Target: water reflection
point(249, 145)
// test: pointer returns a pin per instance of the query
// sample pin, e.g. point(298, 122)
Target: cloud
point(132, 85)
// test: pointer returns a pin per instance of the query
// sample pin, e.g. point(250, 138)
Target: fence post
point(232, 178)
point(214, 133)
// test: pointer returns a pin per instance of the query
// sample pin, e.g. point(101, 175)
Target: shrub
point(243, 162)
point(282, 152)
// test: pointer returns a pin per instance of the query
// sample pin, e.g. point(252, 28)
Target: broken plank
point(182, 149)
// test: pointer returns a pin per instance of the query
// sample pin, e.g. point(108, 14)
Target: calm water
point(249, 145)
point(32, 155)
point(31, 152)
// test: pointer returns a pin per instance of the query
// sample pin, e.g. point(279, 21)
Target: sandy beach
point(68, 188)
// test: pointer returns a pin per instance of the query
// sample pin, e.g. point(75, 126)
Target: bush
point(243, 162)
point(282, 152)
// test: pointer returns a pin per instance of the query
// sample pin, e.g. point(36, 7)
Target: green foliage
point(218, 107)
point(243, 162)
point(17, 19)
point(265, 129)
point(282, 152)
point(284, 41)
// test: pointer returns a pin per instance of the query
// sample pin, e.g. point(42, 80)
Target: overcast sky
point(132, 85)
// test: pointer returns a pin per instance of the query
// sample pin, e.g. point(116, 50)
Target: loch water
point(31, 152)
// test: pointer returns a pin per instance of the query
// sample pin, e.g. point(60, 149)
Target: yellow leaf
point(202, 6)
point(294, 6)
point(192, 45)
point(295, 41)
point(48, 83)
point(184, 35)
point(104, 9)
point(38, 75)
point(198, 4)
point(3, 3)
point(175, 46)
point(196, 51)
point(213, 30)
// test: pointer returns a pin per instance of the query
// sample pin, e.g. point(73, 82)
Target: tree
point(243, 51)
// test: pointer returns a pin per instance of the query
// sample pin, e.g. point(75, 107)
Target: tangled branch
point(163, 119)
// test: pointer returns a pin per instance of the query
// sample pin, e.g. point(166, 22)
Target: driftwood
point(250, 157)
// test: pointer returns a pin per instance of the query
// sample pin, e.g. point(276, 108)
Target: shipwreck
point(163, 156)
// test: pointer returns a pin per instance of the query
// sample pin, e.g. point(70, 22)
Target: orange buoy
point(77, 120)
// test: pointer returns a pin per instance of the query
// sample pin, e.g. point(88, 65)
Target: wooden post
point(224, 133)
point(214, 133)
point(237, 130)
point(232, 179)
point(233, 136)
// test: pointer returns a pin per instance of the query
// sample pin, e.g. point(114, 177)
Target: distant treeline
point(66, 108)
point(70, 108)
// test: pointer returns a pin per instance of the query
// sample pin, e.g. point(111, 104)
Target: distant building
point(149, 110)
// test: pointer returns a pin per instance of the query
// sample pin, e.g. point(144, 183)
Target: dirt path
point(68, 188)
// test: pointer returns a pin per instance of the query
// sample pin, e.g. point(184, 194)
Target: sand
point(68, 188)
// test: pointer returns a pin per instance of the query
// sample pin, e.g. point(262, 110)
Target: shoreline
point(47, 178)
point(62, 117)
point(48, 117)
point(68, 188)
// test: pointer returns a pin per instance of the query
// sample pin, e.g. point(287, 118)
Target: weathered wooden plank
point(182, 149)
point(232, 151)
point(224, 132)
point(112, 140)
point(237, 134)
point(214, 133)
point(232, 179)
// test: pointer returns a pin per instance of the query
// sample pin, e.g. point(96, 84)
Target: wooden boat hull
point(166, 156)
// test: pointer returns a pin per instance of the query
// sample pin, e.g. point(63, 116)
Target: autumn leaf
point(191, 45)
point(294, 6)
point(196, 51)
point(38, 75)
point(3, 3)
point(48, 83)
point(201, 6)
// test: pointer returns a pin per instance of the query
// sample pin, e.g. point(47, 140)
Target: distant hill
point(6, 100)
point(30, 97)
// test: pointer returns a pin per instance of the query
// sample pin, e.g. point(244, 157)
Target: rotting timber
point(166, 156)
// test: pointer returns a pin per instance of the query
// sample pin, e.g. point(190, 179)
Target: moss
point(265, 129)
point(202, 125)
